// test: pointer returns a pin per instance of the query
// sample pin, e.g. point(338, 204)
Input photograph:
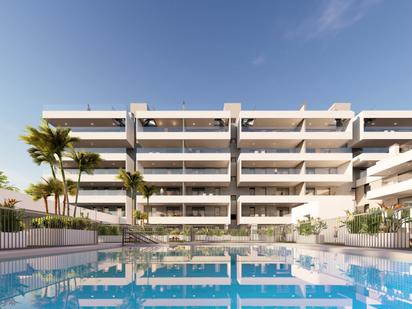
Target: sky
point(265, 54)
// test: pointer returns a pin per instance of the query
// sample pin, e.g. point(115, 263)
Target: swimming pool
point(235, 276)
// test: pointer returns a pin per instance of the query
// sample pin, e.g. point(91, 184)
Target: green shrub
point(310, 226)
point(59, 222)
point(108, 230)
point(363, 223)
point(11, 220)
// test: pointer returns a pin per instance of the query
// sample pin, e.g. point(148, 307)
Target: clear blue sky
point(265, 54)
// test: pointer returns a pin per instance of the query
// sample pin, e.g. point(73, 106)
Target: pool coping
point(393, 254)
point(47, 251)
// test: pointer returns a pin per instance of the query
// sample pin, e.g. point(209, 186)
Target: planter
point(398, 240)
point(16, 240)
point(60, 237)
point(309, 239)
point(110, 238)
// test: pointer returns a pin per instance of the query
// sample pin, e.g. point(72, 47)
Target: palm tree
point(56, 186)
point(72, 191)
point(132, 183)
point(147, 191)
point(41, 150)
point(5, 184)
point(52, 141)
point(86, 162)
point(40, 191)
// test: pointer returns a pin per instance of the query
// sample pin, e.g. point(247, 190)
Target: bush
point(366, 223)
point(11, 220)
point(60, 222)
point(311, 226)
point(108, 230)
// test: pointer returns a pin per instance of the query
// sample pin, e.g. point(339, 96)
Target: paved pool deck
point(404, 255)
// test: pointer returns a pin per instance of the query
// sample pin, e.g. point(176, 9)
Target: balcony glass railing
point(269, 150)
point(98, 129)
point(328, 150)
point(324, 129)
point(206, 150)
point(181, 150)
point(101, 192)
point(206, 171)
point(201, 171)
point(375, 150)
point(161, 171)
point(270, 129)
point(270, 171)
point(110, 171)
point(387, 129)
point(103, 150)
point(186, 129)
point(161, 129)
point(321, 171)
point(159, 150)
point(396, 179)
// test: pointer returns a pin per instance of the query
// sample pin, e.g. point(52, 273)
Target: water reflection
point(205, 276)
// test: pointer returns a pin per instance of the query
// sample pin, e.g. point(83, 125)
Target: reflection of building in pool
point(210, 276)
point(18, 277)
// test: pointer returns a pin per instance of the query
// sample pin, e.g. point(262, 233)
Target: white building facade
point(233, 166)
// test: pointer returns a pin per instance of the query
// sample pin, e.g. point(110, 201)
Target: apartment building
point(233, 166)
point(381, 148)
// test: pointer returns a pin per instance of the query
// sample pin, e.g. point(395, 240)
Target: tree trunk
point(46, 204)
point(58, 205)
point(52, 170)
point(64, 180)
point(64, 205)
point(77, 191)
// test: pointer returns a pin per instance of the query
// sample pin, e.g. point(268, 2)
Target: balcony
point(183, 154)
point(292, 176)
point(394, 186)
point(189, 214)
point(102, 197)
point(108, 128)
point(382, 128)
point(335, 156)
point(152, 126)
point(106, 154)
point(218, 175)
point(99, 175)
point(202, 199)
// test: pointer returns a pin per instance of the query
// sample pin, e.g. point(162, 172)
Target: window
point(282, 191)
point(251, 211)
point(198, 211)
point(217, 211)
point(233, 159)
point(198, 191)
point(233, 197)
point(173, 211)
point(310, 191)
point(251, 191)
point(366, 188)
point(233, 178)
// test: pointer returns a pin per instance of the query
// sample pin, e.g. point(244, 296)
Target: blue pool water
point(240, 276)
